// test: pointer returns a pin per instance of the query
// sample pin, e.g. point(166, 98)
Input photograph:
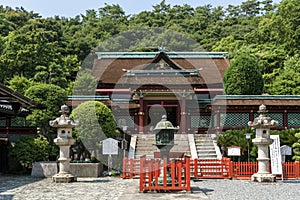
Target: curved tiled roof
point(110, 68)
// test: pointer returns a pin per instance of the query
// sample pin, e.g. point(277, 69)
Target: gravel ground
point(217, 189)
point(29, 188)
point(114, 188)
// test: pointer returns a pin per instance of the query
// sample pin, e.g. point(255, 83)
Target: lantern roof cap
point(63, 121)
point(262, 120)
point(164, 124)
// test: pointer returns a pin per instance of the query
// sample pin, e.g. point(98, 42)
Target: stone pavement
point(108, 188)
point(114, 188)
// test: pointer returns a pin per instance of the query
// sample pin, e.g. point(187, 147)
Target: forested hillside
point(50, 50)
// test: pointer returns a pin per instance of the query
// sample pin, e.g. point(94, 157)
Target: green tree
point(243, 76)
point(30, 149)
point(20, 84)
point(85, 83)
point(48, 98)
point(34, 44)
point(96, 123)
point(235, 138)
point(296, 148)
point(54, 74)
point(287, 81)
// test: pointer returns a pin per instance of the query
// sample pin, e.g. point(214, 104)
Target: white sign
point(110, 147)
point(234, 151)
point(276, 164)
point(286, 150)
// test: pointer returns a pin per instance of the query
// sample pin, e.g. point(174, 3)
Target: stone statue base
point(263, 178)
point(64, 178)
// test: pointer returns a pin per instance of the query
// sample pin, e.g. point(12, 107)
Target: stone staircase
point(205, 146)
point(145, 145)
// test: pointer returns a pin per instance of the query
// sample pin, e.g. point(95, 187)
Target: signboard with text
point(275, 154)
point(234, 151)
point(110, 147)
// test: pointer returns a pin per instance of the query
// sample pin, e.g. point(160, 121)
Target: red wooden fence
point(131, 168)
point(212, 168)
point(223, 168)
point(151, 178)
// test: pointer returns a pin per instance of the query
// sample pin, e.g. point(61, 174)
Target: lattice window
point(275, 116)
point(234, 119)
point(124, 121)
point(2, 122)
point(201, 121)
point(293, 119)
point(18, 122)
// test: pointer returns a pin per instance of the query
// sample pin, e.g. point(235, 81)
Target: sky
point(71, 8)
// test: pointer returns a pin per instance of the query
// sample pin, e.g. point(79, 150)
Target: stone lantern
point(64, 140)
point(164, 137)
point(262, 124)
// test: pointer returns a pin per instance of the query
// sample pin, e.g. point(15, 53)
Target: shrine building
point(140, 87)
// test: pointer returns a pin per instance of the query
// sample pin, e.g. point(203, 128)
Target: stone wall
point(49, 169)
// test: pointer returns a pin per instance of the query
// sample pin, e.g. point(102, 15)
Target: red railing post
point(142, 173)
point(173, 167)
point(230, 168)
point(188, 174)
point(297, 168)
point(196, 168)
point(165, 171)
point(124, 168)
point(131, 163)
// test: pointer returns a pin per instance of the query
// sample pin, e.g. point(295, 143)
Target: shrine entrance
point(155, 110)
point(3, 154)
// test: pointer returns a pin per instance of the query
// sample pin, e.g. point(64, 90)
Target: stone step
point(202, 136)
point(206, 140)
point(146, 145)
point(206, 151)
point(207, 157)
point(145, 150)
point(204, 146)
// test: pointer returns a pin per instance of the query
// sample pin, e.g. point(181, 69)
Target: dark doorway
point(3, 155)
point(156, 111)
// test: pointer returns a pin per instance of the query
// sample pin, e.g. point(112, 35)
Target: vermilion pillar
point(183, 115)
point(141, 115)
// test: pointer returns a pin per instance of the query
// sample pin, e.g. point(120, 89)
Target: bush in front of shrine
point(28, 150)
point(96, 123)
point(296, 148)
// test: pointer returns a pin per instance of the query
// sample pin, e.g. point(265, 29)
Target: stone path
point(114, 188)
point(41, 189)
point(108, 188)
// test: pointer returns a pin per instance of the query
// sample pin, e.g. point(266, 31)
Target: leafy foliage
point(235, 138)
point(48, 98)
point(85, 83)
point(243, 76)
point(29, 149)
point(287, 81)
point(296, 148)
point(270, 33)
point(44, 55)
point(96, 122)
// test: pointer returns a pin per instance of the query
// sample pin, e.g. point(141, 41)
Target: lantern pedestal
point(164, 141)
point(64, 140)
point(262, 125)
point(164, 153)
point(64, 175)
